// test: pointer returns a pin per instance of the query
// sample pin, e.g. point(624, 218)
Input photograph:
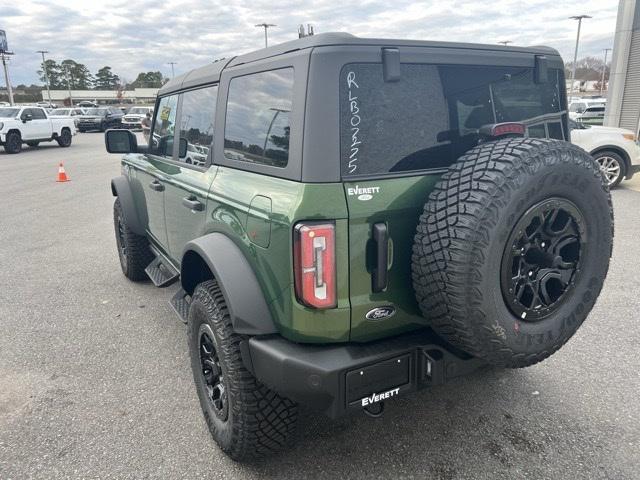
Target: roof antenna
point(302, 33)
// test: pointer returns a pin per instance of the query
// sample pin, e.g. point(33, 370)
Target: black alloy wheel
point(541, 260)
point(212, 374)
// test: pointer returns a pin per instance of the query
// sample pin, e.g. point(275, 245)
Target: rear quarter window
point(258, 126)
point(431, 116)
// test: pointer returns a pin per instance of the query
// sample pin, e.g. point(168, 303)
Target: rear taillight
point(314, 259)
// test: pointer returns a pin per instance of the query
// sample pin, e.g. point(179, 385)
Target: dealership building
point(138, 95)
point(623, 99)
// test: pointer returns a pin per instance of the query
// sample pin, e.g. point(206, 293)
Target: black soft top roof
point(211, 73)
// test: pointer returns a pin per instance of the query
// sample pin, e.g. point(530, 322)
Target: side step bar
point(180, 303)
point(161, 272)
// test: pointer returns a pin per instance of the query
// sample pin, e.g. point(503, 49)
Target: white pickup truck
point(32, 125)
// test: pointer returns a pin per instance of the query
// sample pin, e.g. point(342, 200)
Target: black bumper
point(337, 379)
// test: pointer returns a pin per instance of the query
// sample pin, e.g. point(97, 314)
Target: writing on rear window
point(433, 114)
point(354, 121)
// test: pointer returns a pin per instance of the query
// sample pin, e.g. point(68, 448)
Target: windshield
point(138, 110)
point(8, 112)
point(95, 111)
point(59, 111)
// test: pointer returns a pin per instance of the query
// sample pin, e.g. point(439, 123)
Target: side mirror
point(27, 118)
point(120, 141)
point(182, 148)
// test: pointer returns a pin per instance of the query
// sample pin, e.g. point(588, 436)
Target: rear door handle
point(193, 204)
point(381, 239)
point(157, 186)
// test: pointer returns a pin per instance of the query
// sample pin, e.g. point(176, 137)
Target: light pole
point(575, 53)
point(66, 74)
point(604, 69)
point(173, 73)
point(6, 75)
point(266, 26)
point(46, 75)
point(505, 42)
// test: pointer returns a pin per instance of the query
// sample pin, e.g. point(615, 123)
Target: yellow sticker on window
point(164, 114)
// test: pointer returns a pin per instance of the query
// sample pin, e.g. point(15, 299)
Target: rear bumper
point(338, 379)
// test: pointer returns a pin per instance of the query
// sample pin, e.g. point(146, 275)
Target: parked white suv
point(133, 118)
point(615, 149)
point(32, 125)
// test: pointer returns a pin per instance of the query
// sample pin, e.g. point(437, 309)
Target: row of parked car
point(30, 125)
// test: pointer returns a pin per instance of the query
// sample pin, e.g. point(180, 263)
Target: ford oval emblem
point(381, 313)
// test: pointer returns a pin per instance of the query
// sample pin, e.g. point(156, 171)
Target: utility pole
point(173, 73)
point(46, 75)
point(505, 42)
point(575, 53)
point(66, 74)
point(266, 26)
point(604, 69)
point(6, 75)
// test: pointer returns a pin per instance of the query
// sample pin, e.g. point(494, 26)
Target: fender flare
point(121, 188)
point(248, 309)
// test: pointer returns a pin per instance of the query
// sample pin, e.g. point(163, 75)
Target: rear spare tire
point(512, 249)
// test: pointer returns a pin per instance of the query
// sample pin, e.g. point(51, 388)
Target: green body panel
point(248, 207)
point(259, 212)
point(397, 202)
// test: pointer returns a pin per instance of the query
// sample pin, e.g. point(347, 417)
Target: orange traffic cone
point(62, 175)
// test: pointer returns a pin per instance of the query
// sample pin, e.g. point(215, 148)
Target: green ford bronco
point(353, 219)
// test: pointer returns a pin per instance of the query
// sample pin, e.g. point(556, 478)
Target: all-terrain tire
point(468, 229)
point(133, 249)
point(13, 143)
point(64, 140)
point(253, 421)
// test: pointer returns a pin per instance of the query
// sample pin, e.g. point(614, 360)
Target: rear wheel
point(13, 143)
point(245, 418)
point(64, 140)
point(612, 167)
point(133, 249)
point(512, 249)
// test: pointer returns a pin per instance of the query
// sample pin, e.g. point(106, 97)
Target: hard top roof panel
point(211, 73)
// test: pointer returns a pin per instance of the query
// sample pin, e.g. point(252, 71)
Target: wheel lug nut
point(542, 244)
point(531, 273)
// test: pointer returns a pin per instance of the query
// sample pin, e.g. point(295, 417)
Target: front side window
point(258, 126)
point(433, 114)
point(164, 127)
point(197, 123)
point(38, 114)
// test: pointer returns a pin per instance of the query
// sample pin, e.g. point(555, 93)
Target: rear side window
point(257, 128)
point(197, 123)
point(431, 116)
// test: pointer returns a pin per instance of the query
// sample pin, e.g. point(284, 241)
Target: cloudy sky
point(136, 35)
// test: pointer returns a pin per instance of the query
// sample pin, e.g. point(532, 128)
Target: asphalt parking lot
point(95, 380)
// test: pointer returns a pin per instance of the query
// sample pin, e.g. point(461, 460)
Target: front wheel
point(612, 167)
point(133, 249)
point(245, 418)
point(64, 140)
point(13, 143)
